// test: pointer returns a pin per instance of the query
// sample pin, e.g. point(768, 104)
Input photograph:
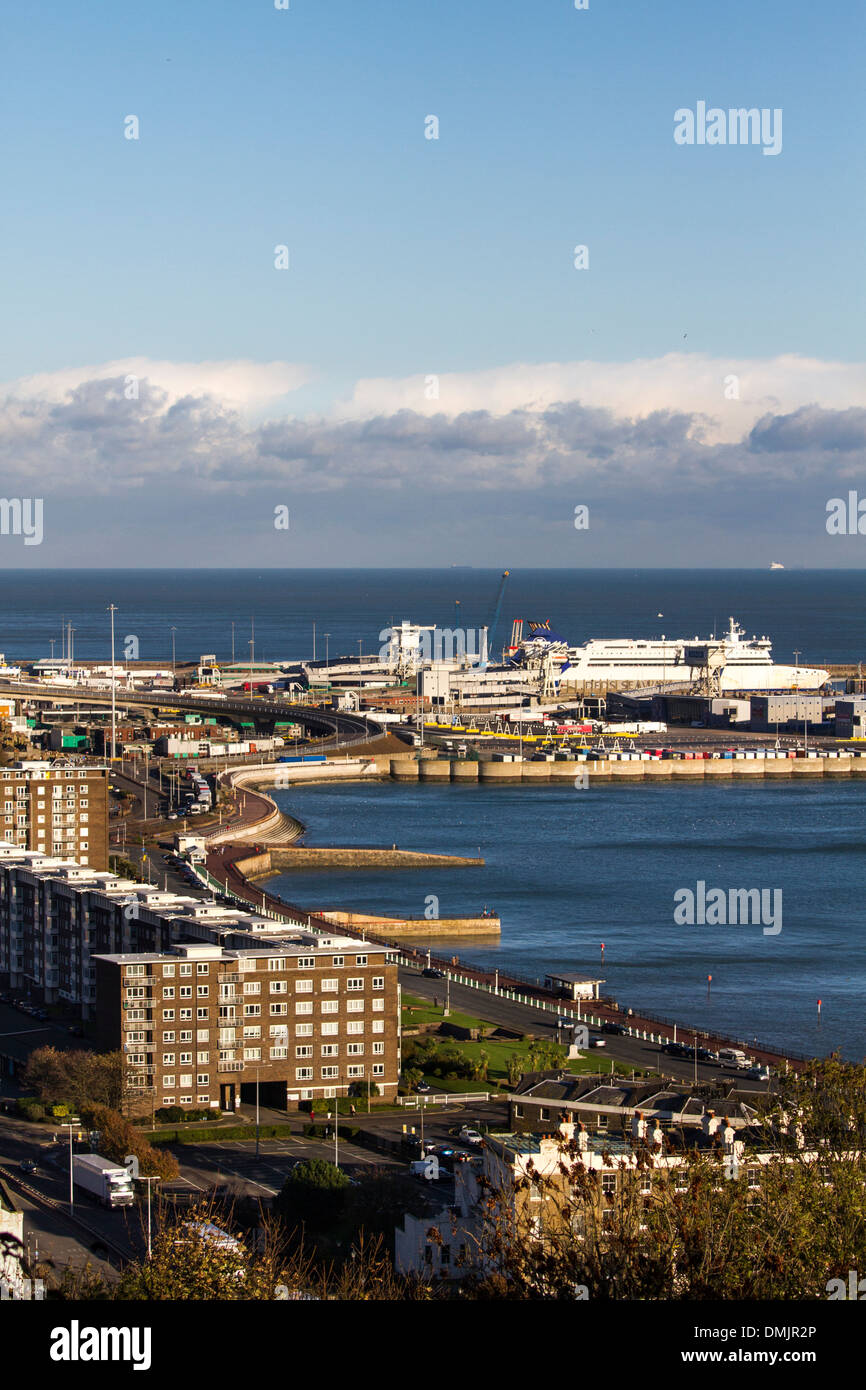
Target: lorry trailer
point(107, 1181)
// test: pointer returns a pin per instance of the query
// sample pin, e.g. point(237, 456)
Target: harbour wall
point(414, 926)
point(276, 860)
point(635, 768)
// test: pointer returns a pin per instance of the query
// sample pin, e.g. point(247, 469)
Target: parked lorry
point(106, 1181)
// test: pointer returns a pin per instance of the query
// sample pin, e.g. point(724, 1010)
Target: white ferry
point(742, 663)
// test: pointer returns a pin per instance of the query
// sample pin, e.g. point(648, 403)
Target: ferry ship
point(741, 663)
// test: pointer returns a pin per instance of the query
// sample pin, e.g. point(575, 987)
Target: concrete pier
point(624, 770)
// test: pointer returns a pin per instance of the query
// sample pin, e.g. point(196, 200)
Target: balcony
point(230, 1066)
point(230, 978)
point(231, 998)
point(145, 1003)
point(131, 1025)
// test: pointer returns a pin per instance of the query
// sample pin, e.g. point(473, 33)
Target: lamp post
point(327, 658)
point(70, 1127)
point(149, 1244)
point(337, 1124)
point(112, 608)
point(173, 631)
point(257, 1112)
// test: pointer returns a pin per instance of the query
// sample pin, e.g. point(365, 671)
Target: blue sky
point(413, 256)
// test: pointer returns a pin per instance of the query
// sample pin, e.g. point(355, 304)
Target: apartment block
point(306, 1016)
point(62, 811)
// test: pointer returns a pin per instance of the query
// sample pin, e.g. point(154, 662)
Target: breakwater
point(628, 768)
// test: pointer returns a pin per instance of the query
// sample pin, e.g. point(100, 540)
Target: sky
point(429, 371)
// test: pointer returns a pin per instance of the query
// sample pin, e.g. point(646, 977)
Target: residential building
point(59, 810)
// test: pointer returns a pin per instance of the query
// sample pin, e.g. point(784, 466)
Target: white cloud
point(692, 383)
point(239, 385)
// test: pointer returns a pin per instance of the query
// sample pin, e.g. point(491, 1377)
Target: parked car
point(470, 1135)
point(597, 1042)
point(432, 973)
point(422, 1086)
point(564, 1022)
point(618, 1028)
point(27, 1165)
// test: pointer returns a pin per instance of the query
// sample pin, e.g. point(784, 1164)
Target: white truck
point(107, 1181)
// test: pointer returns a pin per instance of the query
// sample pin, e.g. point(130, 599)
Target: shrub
point(30, 1108)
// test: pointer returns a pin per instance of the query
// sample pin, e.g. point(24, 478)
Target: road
point(523, 1018)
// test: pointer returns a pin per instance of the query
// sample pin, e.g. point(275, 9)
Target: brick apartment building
point(311, 1016)
point(62, 811)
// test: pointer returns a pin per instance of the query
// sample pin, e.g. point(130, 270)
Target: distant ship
point(776, 566)
point(742, 663)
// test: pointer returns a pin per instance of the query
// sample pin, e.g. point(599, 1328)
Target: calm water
point(818, 612)
point(567, 870)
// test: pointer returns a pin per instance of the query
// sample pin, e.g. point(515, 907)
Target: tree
point(118, 1138)
point(313, 1194)
point(77, 1077)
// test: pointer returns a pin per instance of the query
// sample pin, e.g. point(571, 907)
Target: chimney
point(728, 1134)
point(566, 1128)
point(582, 1139)
point(656, 1136)
point(638, 1125)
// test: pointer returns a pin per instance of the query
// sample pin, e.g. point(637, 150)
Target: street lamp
point(173, 631)
point(70, 1127)
point(112, 608)
point(327, 661)
point(257, 1112)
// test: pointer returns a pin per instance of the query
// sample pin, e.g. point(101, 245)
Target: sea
point(566, 870)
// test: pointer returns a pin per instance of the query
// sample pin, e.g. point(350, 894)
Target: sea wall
point(625, 769)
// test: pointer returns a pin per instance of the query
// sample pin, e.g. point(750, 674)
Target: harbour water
point(567, 870)
point(818, 612)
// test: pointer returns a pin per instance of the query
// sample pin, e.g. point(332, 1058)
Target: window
point(277, 964)
point(168, 1015)
point(355, 1006)
point(186, 1059)
point(378, 1006)
point(360, 960)
point(608, 1184)
point(185, 992)
point(355, 1049)
point(330, 986)
point(330, 1073)
point(168, 1081)
point(277, 1009)
point(355, 982)
point(167, 1038)
point(330, 1050)
point(186, 970)
point(202, 1035)
point(202, 969)
point(201, 1059)
point(252, 1010)
point(252, 1032)
point(356, 1071)
point(302, 1030)
point(303, 1073)
point(278, 1054)
point(378, 981)
point(168, 972)
point(378, 1068)
point(202, 991)
point(187, 1013)
point(339, 960)
point(279, 987)
point(303, 986)
point(355, 1025)
point(199, 1013)
point(135, 992)
point(304, 1006)
point(203, 1100)
point(378, 1049)
point(252, 987)
point(306, 962)
point(168, 1059)
point(168, 992)
point(167, 1100)
point(330, 1006)
point(203, 1079)
point(186, 1079)
point(305, 1050)
point(135, 970)
point(186, 1035)
point(330, 1030)
point(186, 1100)
point(378, 1024)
